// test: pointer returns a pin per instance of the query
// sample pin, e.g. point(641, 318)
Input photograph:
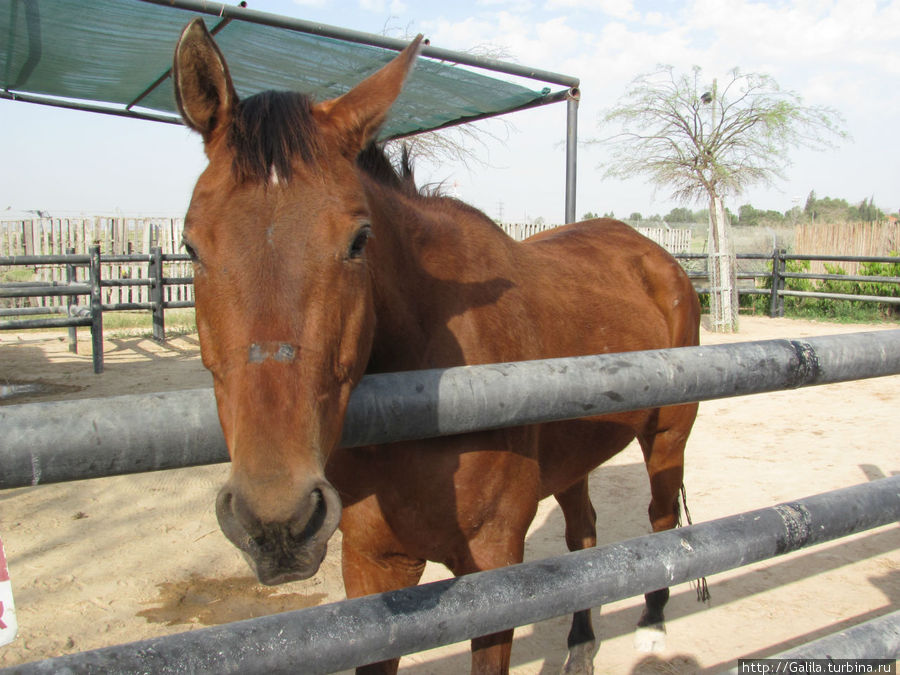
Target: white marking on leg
point(650, 639)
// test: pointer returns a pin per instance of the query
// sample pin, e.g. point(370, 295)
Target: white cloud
point(619, 9)
point(516, 6)
point(395, 8)
point(838, 53)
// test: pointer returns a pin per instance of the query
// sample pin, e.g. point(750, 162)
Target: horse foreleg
point(497, 544)
point(581, 533)
point(365, 574)
point(664, 455)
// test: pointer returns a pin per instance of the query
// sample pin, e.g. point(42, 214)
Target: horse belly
point(570, 450)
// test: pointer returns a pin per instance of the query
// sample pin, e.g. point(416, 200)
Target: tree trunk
point(723, 296)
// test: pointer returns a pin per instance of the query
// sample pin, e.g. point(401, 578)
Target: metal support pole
point(571, 151)
point(96, 311)
point(157, 294)
point(71, 303)
point(778, 281)
point(377, 627)
point(241, 13)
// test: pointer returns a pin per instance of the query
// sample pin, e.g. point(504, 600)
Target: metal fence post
point(776, 300)
point(96, 310)
point(71, 302)
point(157, 294)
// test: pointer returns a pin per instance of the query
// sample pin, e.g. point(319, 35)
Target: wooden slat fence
point(114, 235)
point(673, 239)
point(853, 239)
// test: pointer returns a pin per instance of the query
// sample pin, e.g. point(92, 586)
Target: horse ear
point(204, 91)
point(358, 114)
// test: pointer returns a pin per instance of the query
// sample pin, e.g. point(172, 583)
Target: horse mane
point(399, 175)
point(375, 161)
point(272, 128)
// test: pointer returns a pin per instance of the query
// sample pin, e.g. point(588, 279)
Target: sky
point(839, 53)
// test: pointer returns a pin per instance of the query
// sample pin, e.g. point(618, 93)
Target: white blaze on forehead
point(274, 178)
point(275, 351)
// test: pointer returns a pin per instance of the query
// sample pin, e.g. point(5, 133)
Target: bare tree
point(707, 142)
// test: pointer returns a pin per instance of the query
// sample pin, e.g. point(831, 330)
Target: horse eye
point(189, 250)
point(359, 242)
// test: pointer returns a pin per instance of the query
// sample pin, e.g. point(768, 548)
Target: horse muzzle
point(279, 552)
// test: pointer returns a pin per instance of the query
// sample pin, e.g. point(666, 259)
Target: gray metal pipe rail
point(342, 635)
point(48, 291)
point(76, 439)
point(877, 638)
point(874, 639)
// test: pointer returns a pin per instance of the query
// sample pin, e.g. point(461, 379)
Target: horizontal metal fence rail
point(777, 274)
point(76, 439)
point(92, 313)
point(877, 638)
point(886, 299)
point(388, 625)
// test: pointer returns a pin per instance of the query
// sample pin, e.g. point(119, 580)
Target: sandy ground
point(107, 561)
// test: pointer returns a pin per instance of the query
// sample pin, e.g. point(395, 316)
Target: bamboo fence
point(852, 239)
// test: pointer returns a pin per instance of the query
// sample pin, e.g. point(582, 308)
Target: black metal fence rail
point(91, 313)
point(345, 634)
point(773, 278)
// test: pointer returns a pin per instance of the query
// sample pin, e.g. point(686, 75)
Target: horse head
point(277, 229)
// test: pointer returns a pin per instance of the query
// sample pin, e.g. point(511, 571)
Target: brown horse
point(316, 262)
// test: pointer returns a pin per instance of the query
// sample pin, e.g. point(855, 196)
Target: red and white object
point(8, 625)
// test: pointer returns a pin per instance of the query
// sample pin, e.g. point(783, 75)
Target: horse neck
point(424, 251)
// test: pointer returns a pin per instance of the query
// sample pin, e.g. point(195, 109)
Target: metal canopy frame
point(228, 13)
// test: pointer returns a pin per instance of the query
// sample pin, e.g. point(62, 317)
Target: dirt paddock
point(106, 561)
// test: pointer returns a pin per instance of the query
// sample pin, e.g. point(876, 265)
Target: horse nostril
point(305, 526)
point(236, 520)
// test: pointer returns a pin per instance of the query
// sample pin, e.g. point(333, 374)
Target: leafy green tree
point(747, 215)
point(679, 214)
point(828, 210)
point(710, 143)
point(866, 211)
point(750, 216)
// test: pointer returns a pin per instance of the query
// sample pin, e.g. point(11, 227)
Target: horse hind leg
point(663, 448)
point(581, 533)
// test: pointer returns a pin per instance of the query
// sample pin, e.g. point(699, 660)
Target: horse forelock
point(270, 130)
point(273, 128)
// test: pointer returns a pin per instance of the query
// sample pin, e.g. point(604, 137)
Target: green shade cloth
point(109, 52)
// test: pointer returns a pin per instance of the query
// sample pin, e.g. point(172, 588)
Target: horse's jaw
point(282, 552)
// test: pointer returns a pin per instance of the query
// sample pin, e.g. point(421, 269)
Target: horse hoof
point(581, 659)
point(650, 638)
